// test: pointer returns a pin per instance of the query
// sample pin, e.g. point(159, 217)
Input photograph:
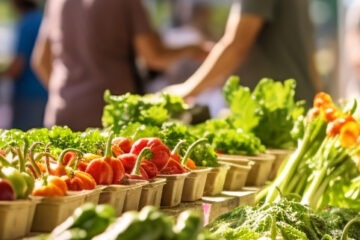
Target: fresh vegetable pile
point(150, 109)
point(270, 111)
point(136, 117)
point(257, 120)
point(324, 169)
point(58, 138)
point(226, 139)
point(98, 222)
point(56, 159)
point(322, 172)
point(285, 220)
point(86, 222)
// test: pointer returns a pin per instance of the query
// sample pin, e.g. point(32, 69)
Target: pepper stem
point(177, 147)
point(136, 168)
point(4, 162)
point(191, 149)
point(74, 162)
point(31, 157)
point(108, 151)
point(60, 160)
point(47, 161)
point(21, 159)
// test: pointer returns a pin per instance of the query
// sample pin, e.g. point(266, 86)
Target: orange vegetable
point(322, 100)
point(349, 134)
point(50, 186)
point(60, 168)
point(121, 145)
point(190, 163)
point(78, 180)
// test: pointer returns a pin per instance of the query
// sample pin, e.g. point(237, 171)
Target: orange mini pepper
point(50, 186)
point(77, 180)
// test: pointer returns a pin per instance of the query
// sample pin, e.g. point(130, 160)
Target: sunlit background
point(170, 17)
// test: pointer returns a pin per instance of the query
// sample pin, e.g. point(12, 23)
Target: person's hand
point(176, 89)
point(181, 91)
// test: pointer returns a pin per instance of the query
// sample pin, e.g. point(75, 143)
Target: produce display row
point(305, 161)
point(129, 176)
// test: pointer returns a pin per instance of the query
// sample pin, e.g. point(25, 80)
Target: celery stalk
point(313, 133)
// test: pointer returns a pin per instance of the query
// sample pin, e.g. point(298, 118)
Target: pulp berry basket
point(280, 156)
point(236, 176)
point(260, 171)
point(194, 184)
point(51, 211)
point(16, 218)
point(236, 159)
point(215, 180)
point(133, 195)
point(93, 195)
point(114, 195)
point(152, 192)
point(172, 191)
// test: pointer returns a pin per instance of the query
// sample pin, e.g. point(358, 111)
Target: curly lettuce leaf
point(243, 105)
point(149, 109)
point(279, 112)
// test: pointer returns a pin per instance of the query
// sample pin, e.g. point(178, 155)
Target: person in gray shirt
point(263, 38)
point(85, 47)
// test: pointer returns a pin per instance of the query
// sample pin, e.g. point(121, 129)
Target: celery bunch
point(324, 169)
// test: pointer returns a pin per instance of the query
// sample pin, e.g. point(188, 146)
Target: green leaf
point(244, 107)
point(150, 109)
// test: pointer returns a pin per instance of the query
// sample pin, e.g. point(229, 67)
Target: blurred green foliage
point(6, 11)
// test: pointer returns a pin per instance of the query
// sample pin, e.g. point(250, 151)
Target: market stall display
point(125, 180)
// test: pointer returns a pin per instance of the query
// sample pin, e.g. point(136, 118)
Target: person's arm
point(148, 45)
point(42, 59)
point(228, 53)
point(159, 57)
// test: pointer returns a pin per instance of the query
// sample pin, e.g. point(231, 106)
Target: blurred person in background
point(192, 24)
point(29, 96)
point(85, 47)
point(352, 51)
point(272, 38)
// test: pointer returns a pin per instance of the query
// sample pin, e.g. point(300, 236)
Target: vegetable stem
point(191, 149)
point(136, 169)
point(108, 151)
point(60, 160)
point(345, 233)
point(177, 146)
point(313, 131)
point(4, 162)
point(310, 192)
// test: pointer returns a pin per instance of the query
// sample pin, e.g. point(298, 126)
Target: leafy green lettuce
point(270, 111)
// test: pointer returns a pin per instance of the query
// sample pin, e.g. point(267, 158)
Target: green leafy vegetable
point(283, 220)
point(242, 104)
point(270, 111)
point(152, 115)
point(150, 109)
point(227, 139)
